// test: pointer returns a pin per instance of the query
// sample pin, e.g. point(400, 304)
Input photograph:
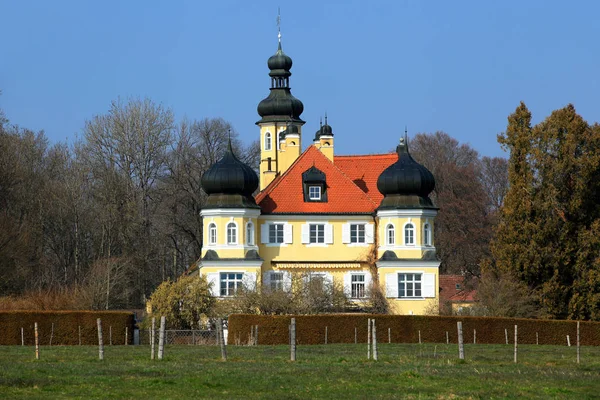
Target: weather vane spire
point(279, 24)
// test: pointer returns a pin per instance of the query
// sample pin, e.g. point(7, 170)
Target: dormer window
point(314, 185)
point(314, 193)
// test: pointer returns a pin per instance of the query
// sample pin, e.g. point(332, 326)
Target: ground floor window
point(409, 285)
point(230, 283)
point(358, 286)
point(276, 281)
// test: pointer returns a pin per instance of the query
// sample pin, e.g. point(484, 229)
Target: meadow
point(403, 371)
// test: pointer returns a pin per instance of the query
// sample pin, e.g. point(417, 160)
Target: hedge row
point(66, 327)
point(310, 329)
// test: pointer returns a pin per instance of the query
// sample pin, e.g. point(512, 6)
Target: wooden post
point(461, 348)
point(110, 335)
point(79, 335)
point(293, 340)
point(152, 341)
point(355, 335)
point(326, 335)
point(389, 335)
point(577, 342)
point(222, 339)
point(374, 341)
point(51, 333)
point(255, 335)
point(22, 337)
point(516, 344)
point(537, 338)
point(194, 337)
point(37, 342)
point(100, 341)
point(419, 336)
point(474, 336)
point(126, 335)
point(506, 335)
point(369, 339)
point(568, 341)
point(447, 338)
point(161, 338)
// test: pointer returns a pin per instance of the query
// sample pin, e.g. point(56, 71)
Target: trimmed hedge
point(66, 327)
point(310, 329)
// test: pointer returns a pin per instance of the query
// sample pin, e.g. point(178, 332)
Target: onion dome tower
point(229, 183)
point(324, 139)
point(406, 183)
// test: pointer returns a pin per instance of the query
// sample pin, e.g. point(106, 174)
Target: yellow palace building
point(356, 221)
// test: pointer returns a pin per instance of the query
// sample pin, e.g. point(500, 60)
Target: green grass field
point(404, 371)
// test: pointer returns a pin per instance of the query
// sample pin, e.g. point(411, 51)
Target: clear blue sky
point(456, 66)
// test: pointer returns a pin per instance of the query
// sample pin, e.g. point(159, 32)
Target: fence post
point(222, 339)
point(255, 335)
point(326, 331)
point(506, 335)
point(374, 341)
point(577, 342)
point(110, 335)
point(419, 336)
point(537, 338)
point(37, 342)
point(516, 344)
point(461, 349)
point(79, 334)
point(568, 341)
point(22, 337)
point(161, 338)
point(152, 330)
point(100, 341)
point(51, 333)
point(293, 340)
point(474, 336)
point(369, 339)
point(447, 338)
point(126, 335)
point(389, 335)
point(355, 335)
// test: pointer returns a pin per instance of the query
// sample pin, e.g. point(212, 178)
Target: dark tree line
point(113, 215)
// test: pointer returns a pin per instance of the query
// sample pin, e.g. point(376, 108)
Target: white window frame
point(268, 141)
point(354, 291)
point(250, 238)
point(409, 232)
point(413, 282)
point(212, 234)
point(390, 235)
point(276, 284)
point(275, 227)
point(427, 234)
point(316, 195)
point(234, 229)
point(237, 280)
point(318, 226)
point(356, 239)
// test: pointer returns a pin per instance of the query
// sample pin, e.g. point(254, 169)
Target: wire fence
point(182, 337)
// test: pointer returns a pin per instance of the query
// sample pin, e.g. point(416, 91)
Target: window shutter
point(213, 280)
point(287, 281)
point(348, 284)
point(266, 281)
point(346, 233)
point(369, 233)
point(368, 282)
point(429, 285)
point(264, 233)
point(391, 285)
point(328, 233)
point(249, 281)
point(328, 279)
point(287, 233)
point(305, 233)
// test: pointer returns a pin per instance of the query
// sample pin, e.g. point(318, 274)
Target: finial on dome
point(229, 148)
point(325, 117)
point(279, 26)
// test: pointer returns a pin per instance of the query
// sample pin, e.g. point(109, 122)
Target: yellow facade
point(277, 156)
point(325, 145)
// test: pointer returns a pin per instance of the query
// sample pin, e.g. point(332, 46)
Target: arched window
point(250, 234)
point(231, 233)
point(268, 141)
point(212, 233)
point(427, 234)
point(409, 234)
point(390, 235)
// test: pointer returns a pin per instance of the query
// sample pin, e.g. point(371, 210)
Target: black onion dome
point(230, 182)
point(406, 183)
point(324, 130)
point(279, 63)
point(281, 102)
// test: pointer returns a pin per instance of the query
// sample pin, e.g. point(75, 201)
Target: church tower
point(280, 124)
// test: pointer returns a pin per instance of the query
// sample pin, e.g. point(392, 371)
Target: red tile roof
point(449, 291)
point(351, 184)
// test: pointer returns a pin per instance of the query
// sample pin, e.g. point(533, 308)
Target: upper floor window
point(268, 141)
point(409, 285)
point(231, 233)
point(317, 233)
point(250, 234)
point(358, 286)
point(390, 235)
point(409, 234)
point(212, 233)
point(276, 233)
point(427, 234)
point(357, 233)
point(314, 192)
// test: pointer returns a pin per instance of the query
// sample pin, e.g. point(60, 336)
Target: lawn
point(333, 371)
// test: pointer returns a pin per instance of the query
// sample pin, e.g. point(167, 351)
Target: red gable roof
point(364, 171)
point(452, 289)
point(285, 195)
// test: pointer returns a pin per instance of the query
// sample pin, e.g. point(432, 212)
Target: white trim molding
point(407, 213)
point(408, 264)
point(230, 212)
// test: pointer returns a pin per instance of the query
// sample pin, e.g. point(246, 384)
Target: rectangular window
point(230, 283)
point(317, 233)
point(358, 286)
point(357, 233)
point(276, 233)
point(276, 281)
point(409, 285)
point(314, 192)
